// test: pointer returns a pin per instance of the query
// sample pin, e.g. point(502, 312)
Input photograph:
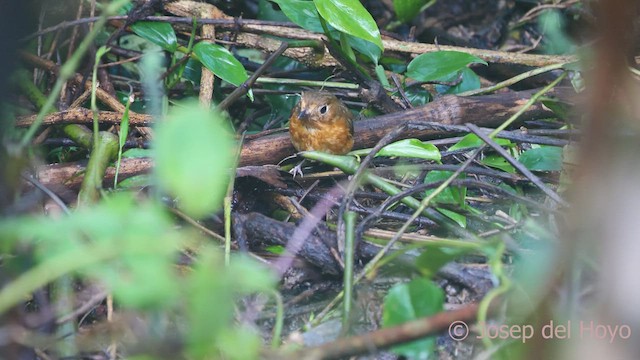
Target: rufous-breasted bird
point(321, 122)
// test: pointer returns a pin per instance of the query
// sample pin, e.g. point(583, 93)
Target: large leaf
point(221, 62)
point(407, 9)
point(301, 12)
point(351, 17)
point(440, 65)
point(159, 33)
point(411, 148)
point(194, 156)
point(544, 158)
point(405, 302)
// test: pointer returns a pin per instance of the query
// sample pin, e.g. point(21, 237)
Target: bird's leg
point(297, 169)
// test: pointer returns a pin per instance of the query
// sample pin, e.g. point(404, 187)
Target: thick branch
point(485, 111)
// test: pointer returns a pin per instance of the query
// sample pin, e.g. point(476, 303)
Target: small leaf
point(498, 162)
point(221, 62)
point(365, 47)
point(552, 25)
point(559, 108)
point(544, 158)
point(411, 148)
point(464, 80)
point(458, 218)
point(138, 181)
point(194, 156)
point(434, 258)
point(351, 17)
point(473, 141)
point(440, 64)
point(159, 33)
point(450, 195)
point(405, 302)
point(137, 153)
point(407, 9)
point(302, 13)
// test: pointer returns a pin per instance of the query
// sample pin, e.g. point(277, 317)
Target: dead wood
point(486, 111)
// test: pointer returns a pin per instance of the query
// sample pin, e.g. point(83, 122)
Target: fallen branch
point(387, 337)
point(485, 111)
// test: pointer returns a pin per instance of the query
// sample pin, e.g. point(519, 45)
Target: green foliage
point(498, 162)
point(159, 33)
point(131, 247)
point(210, 310)
point(556, 41)
point(408, 9)
point(349, 16)
point(470, 141)
point(433, 258)
point(221, 62)
point(440, 64)
point(451, 195)
point(544, 158)
point(446, 66)
point(346, 19)
point(302, 13)
point(405, 302)
point(194, 157)
point(411, 148)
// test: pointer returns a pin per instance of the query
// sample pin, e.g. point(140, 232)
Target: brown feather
point(321, 122)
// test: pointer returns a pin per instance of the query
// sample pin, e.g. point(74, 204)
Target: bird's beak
point(303, 115)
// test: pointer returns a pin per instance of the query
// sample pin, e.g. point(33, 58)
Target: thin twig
point(526, 172)
point(244, 88)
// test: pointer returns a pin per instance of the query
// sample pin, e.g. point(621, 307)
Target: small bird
point(321, 122)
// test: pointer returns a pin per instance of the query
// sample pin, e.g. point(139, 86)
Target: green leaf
point(138, 181)
point(458, 218)
point(498, 162)
point(440, 64)
point(416, 95)
point(473, 141)
point(159, 33)
point(365, 47)
point(407, 9)
point(411, 148)
point(465, 80)
point(559, 108)
point(552, 25)
point(137, 153)
point(434, 258)
point(351, 17)
point(210, 327)
point(266, 11)
point(544, 158)
point(302, 13)
point(194, 157)
point(405, 302)
point(450, 195)
point(221, 62)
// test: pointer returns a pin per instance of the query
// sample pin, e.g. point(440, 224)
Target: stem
point(349, 249)
point(68, 69)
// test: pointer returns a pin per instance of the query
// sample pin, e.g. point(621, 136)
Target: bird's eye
point(323, 109)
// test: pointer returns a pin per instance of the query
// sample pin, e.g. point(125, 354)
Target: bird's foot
point(297, 170)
